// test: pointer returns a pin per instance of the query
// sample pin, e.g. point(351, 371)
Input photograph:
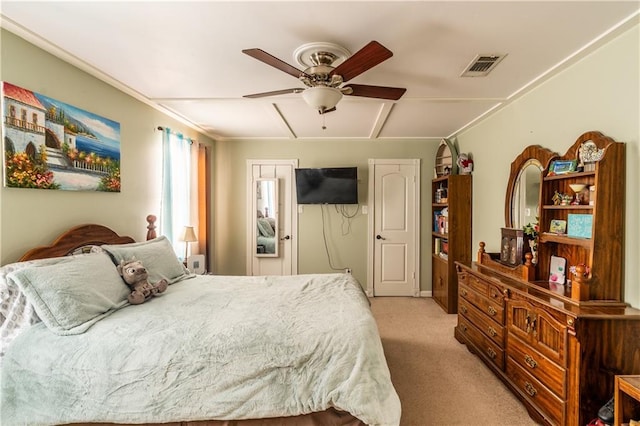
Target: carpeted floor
point(438, 380)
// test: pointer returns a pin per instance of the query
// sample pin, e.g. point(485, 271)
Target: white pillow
point(16, 313)
point(156, 255)
point(73, 294)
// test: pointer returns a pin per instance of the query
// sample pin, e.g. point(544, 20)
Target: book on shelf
point(436, 216)
point(437, 246)
point(444, 246)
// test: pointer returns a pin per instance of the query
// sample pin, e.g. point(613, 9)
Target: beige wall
point(600, 92)
point(347, 250)
point(30, 217)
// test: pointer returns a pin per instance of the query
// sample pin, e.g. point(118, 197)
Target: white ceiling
point(185, 57)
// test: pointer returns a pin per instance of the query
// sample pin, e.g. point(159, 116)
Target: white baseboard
point(422, 293)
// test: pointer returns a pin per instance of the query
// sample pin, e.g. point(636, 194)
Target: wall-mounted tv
point(335, 185)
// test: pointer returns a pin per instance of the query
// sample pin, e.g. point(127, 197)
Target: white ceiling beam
point(381, 119)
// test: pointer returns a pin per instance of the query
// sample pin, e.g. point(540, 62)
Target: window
point(185, 199)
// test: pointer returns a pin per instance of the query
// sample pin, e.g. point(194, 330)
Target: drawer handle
point(530, 389)
point(530, 361)
point(464, 328)
point(492, 332)
point(463, 309)
point(492, 353)
point(491, 310)
point(464, 292)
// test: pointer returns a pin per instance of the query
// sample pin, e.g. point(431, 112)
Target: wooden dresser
point(559, 358)
point(558, 346)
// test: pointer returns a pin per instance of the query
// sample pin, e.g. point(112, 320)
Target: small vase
point(533, 245)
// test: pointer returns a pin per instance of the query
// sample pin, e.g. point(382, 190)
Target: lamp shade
point(188, 234)
point(322, 98)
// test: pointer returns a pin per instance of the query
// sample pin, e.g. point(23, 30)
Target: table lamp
point(188, 236)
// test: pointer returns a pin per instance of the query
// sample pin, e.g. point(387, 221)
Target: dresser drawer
point(490, 328)
point(493, 309)
point(489, 349)
point(546, 401)
point(542, 368)
point(481, 286)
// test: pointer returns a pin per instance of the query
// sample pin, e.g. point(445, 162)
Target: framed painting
point(48, 144)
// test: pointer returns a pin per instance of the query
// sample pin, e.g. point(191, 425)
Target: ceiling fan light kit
point(322, 98)
point(327, 67)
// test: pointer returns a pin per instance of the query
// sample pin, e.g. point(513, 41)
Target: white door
point(394, 228)
point(286, 261)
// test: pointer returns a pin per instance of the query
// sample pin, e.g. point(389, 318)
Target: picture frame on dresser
point(560, 167)
point(558, 226)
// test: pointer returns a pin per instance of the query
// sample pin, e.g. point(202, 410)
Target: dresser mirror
point(266, 226)
point(522, 203)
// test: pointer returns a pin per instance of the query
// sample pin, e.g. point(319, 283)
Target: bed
point(214, 350)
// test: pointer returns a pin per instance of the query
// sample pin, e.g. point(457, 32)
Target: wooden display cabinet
point(605, 207)
point(558, 347)
point(451, 236)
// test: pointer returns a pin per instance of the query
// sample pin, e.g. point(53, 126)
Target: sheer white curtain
point(179, 203)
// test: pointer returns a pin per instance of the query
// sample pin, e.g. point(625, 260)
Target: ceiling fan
point(324, 81)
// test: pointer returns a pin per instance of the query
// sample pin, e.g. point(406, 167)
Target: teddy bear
point(135, 275)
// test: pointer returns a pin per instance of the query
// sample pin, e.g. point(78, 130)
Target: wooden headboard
point(83, 236)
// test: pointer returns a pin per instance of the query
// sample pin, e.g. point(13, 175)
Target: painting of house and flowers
point(49, 144)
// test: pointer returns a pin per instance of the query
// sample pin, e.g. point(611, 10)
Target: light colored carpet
point(438, 380)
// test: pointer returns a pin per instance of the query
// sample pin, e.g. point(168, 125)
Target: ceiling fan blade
point(366, 58)
point(274, 93)
point(269, 59)
point(380, 92)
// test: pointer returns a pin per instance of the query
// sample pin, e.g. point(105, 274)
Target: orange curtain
point(204, 202)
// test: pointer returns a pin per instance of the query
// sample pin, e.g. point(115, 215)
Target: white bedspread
point(211, 347)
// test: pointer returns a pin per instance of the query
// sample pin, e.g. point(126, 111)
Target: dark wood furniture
point(558, 347)
point(452, 235)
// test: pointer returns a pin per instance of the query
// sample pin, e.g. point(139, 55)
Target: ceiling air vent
point(481, 65)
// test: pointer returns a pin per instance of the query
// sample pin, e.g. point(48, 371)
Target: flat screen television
point(335, 185)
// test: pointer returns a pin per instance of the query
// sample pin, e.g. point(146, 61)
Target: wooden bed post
point(151, 228)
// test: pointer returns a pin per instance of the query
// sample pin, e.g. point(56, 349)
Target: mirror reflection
point(523, 188)
point(526, 193)
point(266, 197)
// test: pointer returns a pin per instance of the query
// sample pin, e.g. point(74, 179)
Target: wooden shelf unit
point(604, 260)
point(559, 348)
point(457, 235)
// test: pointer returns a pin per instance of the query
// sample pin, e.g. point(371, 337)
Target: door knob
point(380, 237)
point(286, 237)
